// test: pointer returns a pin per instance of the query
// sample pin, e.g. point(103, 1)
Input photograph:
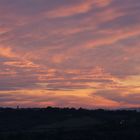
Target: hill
point(68, 124)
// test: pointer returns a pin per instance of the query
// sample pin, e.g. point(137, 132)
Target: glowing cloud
point(76, 53)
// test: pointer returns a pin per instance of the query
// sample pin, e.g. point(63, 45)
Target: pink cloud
point(81, 8)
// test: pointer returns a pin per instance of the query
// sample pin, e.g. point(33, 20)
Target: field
point(68, 124)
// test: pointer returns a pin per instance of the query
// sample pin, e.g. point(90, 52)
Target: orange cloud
point(43, 98)
point(102, 3)
point(21, 64)
point(112, 37)
point(79, 8)
point(6, 52)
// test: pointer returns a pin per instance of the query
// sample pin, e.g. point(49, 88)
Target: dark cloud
point(120, 96)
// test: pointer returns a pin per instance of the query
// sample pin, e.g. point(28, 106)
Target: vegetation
point(68, 124)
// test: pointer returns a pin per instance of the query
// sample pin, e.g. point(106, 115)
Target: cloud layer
point(70, 53)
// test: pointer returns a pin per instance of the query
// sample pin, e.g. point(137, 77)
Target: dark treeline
point(68, 124)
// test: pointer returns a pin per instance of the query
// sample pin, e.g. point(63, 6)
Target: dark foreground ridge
point(68, 124)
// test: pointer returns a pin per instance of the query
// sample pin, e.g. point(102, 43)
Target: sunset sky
point(70, 53)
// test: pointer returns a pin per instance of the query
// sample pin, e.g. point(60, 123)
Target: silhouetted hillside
point(68, 124)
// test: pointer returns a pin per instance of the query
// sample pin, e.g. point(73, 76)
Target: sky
point(70, 53)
